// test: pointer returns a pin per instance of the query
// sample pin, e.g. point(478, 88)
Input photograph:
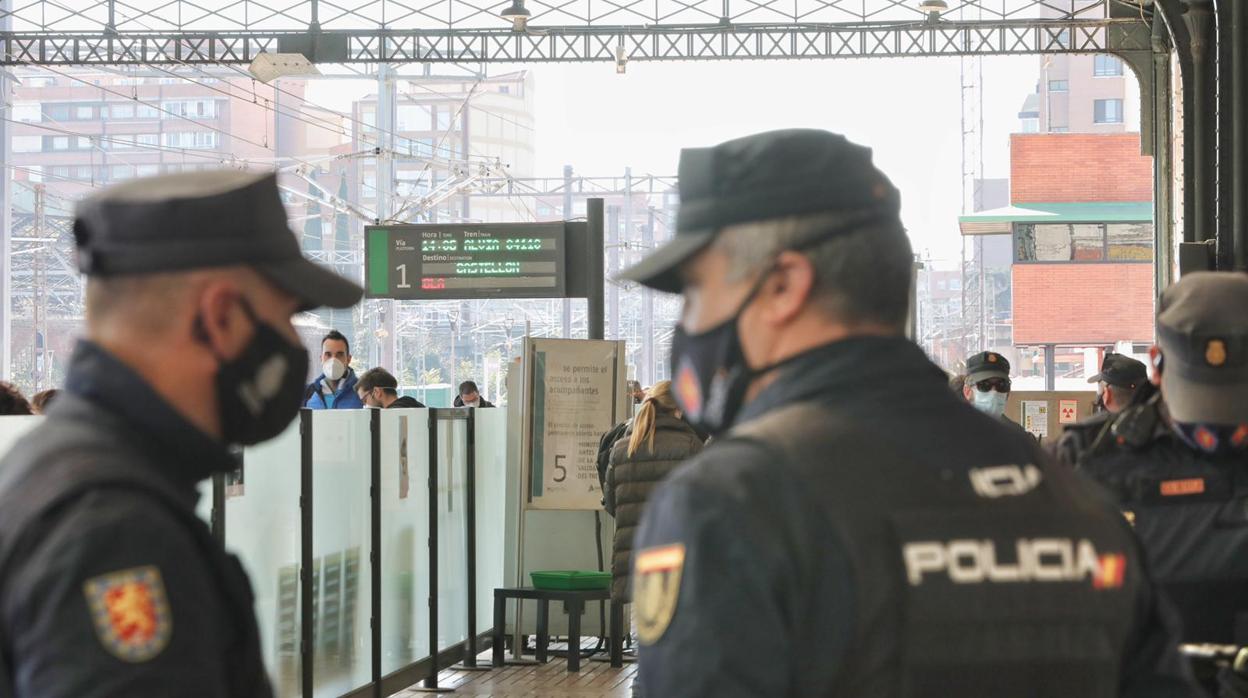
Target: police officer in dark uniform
point(1121, 379)
point(988, 384)
point(1178, 463)
point(855, 529)
point(110, 585)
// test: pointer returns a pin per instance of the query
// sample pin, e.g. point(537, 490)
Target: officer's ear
point(1155, 359)
point(786, 292)
point(221, 323)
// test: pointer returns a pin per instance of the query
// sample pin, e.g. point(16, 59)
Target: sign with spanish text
point(576, 394)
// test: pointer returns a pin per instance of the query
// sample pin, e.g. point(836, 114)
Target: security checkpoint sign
point(575, 396)
point(1067, 411)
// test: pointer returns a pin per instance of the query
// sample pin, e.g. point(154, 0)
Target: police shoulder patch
point(656, 589)
point(131, 612)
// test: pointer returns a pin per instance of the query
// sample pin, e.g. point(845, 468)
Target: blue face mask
point(990, 403)
point(1214, 439)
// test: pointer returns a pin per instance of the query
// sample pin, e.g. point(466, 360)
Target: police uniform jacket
point(1190, 510)
point(1077, 438)
point(631, 479)
point(864, 532)
point(110, 585)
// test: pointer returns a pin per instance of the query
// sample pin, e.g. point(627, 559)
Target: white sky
point(907, 110)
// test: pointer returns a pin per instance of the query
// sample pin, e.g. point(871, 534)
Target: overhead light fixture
point(933, 8)
point(621, 59)
point(518, 14)
point(269, 66)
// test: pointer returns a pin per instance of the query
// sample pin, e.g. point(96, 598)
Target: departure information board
point(496, 260)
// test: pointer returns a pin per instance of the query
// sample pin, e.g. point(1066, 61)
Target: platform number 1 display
point(437, 262)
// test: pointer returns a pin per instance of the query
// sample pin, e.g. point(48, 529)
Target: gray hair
point(862, 275)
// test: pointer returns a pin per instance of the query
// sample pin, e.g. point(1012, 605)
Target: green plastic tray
point(570, 580)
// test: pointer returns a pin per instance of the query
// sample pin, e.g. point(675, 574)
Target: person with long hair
point(656, 443)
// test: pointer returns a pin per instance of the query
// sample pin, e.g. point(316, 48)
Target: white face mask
point(334, 369)
point(991, 402)
point(474, 403)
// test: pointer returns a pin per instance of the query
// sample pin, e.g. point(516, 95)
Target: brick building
point(1080, 226)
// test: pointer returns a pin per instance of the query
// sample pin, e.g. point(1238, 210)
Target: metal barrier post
point(374, 494)
point(305, 553)
point(470, 511)
point(431, 681)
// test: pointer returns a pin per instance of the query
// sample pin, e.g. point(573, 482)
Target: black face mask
point(259, 391)
point(709, 372)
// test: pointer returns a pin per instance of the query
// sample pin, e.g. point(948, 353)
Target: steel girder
point(113, 32)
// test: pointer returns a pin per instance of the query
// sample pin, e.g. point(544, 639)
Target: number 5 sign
point(574, 393)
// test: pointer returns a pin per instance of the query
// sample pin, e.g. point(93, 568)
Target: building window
point(84, 113)
point(1130, 242)
point(1083, 242)
point(146, 111)
point(1031, 126)
point(60, 143)
point(83, 143)
point(84, 172)
point(27, 144)
point(57, 112)
point(190, 139)
point(1059, 129)
point(1107, 111)
point(147, 170)
point(446, 117)
point(30, 112)
point(121, 171)
point(414, 117)
point(121, 111)
point(1106, 66)
point(191, 109)
point(1059, 86)
point(504, 89)
point(147, 139)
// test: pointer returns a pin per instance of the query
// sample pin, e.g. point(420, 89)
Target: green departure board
point(495, 260)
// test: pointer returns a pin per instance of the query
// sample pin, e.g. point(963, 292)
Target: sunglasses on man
point(1001, 385)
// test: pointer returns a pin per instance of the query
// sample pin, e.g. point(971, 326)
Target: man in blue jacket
point(334, 389)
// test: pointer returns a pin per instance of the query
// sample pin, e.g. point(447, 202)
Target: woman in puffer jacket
point(654, 445)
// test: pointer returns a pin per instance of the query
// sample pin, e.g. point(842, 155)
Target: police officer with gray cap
point(856, 529)
point(1120, 382)
point(110, 585)
point(1178, 463)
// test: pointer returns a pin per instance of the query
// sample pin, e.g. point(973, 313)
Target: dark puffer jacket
point(630, 482)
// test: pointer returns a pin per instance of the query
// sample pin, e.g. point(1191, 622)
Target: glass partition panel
point(262, 528)
point(452, 467)
point(491, 499)
point(13, 428)
point(341, 461)
point(404, 538)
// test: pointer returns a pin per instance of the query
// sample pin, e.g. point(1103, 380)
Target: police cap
point(198, 220)
point(1121, 371)
point(767, 176)
point(1202, 330)
point(985, 365)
